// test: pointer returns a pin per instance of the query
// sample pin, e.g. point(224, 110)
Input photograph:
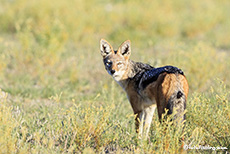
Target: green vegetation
point(60, 98)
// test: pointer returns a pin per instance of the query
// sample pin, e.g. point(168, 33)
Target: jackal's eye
point(108, 63)
point(119, 64)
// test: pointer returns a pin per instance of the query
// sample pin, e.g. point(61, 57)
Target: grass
point(56, 96)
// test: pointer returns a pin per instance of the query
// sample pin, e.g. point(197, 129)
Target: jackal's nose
point(112, 72)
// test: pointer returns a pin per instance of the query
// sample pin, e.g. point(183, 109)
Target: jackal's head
point(116, 61)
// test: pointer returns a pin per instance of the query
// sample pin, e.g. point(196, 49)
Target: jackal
point(146, 87)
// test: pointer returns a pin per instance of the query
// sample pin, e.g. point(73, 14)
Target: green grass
point(61, 99)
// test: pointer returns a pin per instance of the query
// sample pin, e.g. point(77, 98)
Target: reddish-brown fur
point(143, 101)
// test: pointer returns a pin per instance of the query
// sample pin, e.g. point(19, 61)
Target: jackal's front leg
point(143, 121)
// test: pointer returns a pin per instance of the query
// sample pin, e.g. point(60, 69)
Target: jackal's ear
point(105, 47)
point(125, 49)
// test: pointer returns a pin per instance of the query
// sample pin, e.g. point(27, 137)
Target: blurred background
point(49, 47)
point(50, 64)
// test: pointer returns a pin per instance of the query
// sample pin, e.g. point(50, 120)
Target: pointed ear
point(125, 49)
point(105, 48)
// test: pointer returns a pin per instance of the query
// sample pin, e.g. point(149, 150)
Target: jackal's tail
point(177, 104)
point(177, 101)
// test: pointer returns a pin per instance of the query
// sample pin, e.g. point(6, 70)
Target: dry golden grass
point(60, 97)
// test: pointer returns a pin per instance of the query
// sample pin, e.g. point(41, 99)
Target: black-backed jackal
point(146, 87)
